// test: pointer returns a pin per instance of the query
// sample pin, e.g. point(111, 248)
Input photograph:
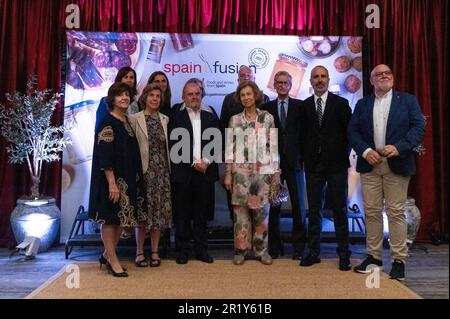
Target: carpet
point(284, 279)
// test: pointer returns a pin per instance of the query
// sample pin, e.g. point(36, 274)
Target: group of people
point(139, 181)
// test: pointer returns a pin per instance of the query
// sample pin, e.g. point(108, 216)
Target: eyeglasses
point(380, 74)
point(282, 83)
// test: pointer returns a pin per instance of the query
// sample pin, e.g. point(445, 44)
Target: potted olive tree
point(25, 122)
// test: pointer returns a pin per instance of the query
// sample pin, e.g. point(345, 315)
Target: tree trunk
point(35, 185)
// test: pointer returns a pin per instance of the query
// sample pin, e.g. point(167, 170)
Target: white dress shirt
point(381, 108)
point(197, 132)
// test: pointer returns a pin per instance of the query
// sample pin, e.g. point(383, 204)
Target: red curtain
point(30, 35)
point(411, 39)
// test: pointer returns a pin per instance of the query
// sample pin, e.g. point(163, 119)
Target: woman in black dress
point(117, 196)
point(125, 75)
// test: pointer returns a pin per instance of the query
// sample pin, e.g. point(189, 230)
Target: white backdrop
point(93, 60)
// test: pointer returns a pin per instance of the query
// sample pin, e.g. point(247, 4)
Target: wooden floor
point(426, 273)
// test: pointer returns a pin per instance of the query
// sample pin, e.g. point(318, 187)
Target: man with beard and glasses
point(384, 130)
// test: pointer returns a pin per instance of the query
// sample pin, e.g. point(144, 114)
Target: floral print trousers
point(250, 230)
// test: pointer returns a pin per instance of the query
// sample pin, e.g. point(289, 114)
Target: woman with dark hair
point(160, 78)
point(251, 158)
point(125, 75)
point(150, 127)
point(117, 194)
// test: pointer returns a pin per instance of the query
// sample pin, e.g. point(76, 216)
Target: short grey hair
point(281, 73)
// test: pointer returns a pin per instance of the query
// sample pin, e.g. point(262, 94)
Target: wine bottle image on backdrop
point(153, 61)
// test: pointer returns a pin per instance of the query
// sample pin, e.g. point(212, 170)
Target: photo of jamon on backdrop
point(93, 58)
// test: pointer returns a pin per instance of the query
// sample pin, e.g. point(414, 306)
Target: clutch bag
point(278, 195)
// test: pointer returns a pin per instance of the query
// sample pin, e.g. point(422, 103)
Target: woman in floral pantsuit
point(252, 166)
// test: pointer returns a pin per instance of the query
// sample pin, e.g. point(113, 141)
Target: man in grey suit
point(384, 130)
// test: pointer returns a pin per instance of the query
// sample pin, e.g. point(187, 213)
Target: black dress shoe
point(309, 260)
point(344, 264)
point(182, 259)
point(205, 257)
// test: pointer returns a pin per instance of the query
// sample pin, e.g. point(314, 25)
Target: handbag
point(278, 193)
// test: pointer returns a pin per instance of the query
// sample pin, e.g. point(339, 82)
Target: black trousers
point(336, 188)
point(191, 202)
point(230, 206)
point(295, 184)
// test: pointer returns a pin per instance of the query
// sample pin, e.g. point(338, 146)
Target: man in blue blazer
point(384, 130)
point(193, 175)
point(286, 112)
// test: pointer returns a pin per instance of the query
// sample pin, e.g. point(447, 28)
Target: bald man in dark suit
point(325, 149)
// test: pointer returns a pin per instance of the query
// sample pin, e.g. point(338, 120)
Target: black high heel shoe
point(116, 274)
point(102, 260)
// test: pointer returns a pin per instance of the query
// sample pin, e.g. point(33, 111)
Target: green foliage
point(25, 122)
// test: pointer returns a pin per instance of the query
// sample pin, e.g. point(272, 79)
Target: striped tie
point(319, 111)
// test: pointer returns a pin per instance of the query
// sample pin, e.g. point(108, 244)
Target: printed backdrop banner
point(93, 59)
